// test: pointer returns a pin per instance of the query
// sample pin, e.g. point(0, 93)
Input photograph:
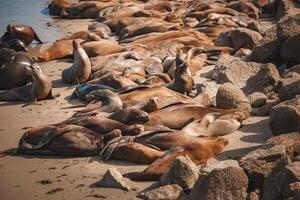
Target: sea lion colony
point(136, 69)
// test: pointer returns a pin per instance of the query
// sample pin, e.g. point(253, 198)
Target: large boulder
point(234, 70)
point(170, 192)
point(229, 96)
point(288, 27)
point(290, 141)
point(209, 167)
point(277, 185)
point(224, 39)
point(182, 172)
point(285, 117)
point(289, 86)
point(245, 38)
point(269, 48)
point(264, 81)
point(265, 109)
point(229, 183)
point(258, 164)
point(290, 49)
point(257, 99)
point(284, 8)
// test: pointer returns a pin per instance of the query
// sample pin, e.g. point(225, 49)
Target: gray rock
point(113, 179)
point(264, 81)
point(293, 192)
point(289, 86)
point(288, 27)
point(219, 165)
point(285, 117)
point(242, 53)
point(170, 192)
point(252, 196)
point(182, 172)
point(230, 96)
point(290, 141)
point(257, 99)
point(232, 69)
point(277, 185)
point(256, 26)
point(228, 183)
point(258, 164)
point(245, 38)
point(269, 48)
point(224, 39)
point(265, 109)
point(290, 49)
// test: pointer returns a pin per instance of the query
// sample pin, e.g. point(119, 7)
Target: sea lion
point(83, 35)
point(39, 89)
point(183, 82)
point(102, 48)
point(70, 140)
point(186, 112)
point(56, 6)
point(111, 102)
point(114, 81)
point(83, 89)
point(198, 151)
point(14, 70)
point(81, 69)
point(130, 116)
point(22, 32)
point(14, 44)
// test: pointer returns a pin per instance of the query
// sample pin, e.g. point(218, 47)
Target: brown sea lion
point(114, 81)
point(84, 35)
point(111, 102)
point(14, 70)
point(14, 44)
point(81, 69)
point(130, 116)
point(102, 48)
point(186, 112)
point(39, 89)
point(183, 82)
point(198, 151)
point(56, 6)
point(70, 140)
point(22, 32)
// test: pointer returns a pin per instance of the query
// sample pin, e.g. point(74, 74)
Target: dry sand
point(21, 176)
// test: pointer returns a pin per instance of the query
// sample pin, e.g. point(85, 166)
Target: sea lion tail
point(142, 176)
point(37, 38)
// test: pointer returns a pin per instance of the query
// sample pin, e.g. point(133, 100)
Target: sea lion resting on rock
point(81, 69)
point(22, 32)
point(39, 89)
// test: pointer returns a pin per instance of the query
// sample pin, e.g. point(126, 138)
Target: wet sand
point(73, 178)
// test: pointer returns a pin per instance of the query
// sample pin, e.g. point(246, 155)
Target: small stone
point(257, 99)
point(113, 179)
point(170, 192)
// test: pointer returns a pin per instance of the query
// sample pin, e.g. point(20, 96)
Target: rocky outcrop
point(230, 96)
point(288, 27)
point(285, 117)
point(170, 192)
point(290, 49)
point(228, 183)
point(182, 172)
point(289, 86)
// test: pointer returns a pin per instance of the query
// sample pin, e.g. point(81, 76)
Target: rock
point(242, 53)
point(290, 50)
point(170, 192)
point(258, 164)
point(289, 86)
point(290, 141)
point(283, 8)
point(257, 99)
point(293, 191)
point(285, 117)
point(277, 185)
point(288, 27)
point(246, 7)
point(234, 70)
point(256, 26)
point(252, 196)
point(219, 165)
point(297, 158)
point(230, 96)
point(269, 48)
point(291, 71)
point(265, 109)
point(182, 172)
point(113, 179)
point(228, 183)
point(224, 39)
point(264, 81)
point(245, 38)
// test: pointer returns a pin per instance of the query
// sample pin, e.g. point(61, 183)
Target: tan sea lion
point(81, 69)
point(114, 81)
point(22, 32)
point(39, 89)
point(102, 48)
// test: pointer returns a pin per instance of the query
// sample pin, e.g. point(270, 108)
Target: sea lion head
point(76, 45)
point(17, 45)
point(138, 116)
point(181, 65)
point(111, 135)
point(135, 129)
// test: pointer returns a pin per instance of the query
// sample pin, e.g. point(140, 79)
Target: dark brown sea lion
point(183, 82)
point(39, 89)
point(130, 116)
point(14, 44)
point(22, 32)
point(111, 102)
point(56, 6)
point(198, 151)
point(83, 89)
point(70, 140)
point(186, 112)
point(14, 70)
point(81, 69)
